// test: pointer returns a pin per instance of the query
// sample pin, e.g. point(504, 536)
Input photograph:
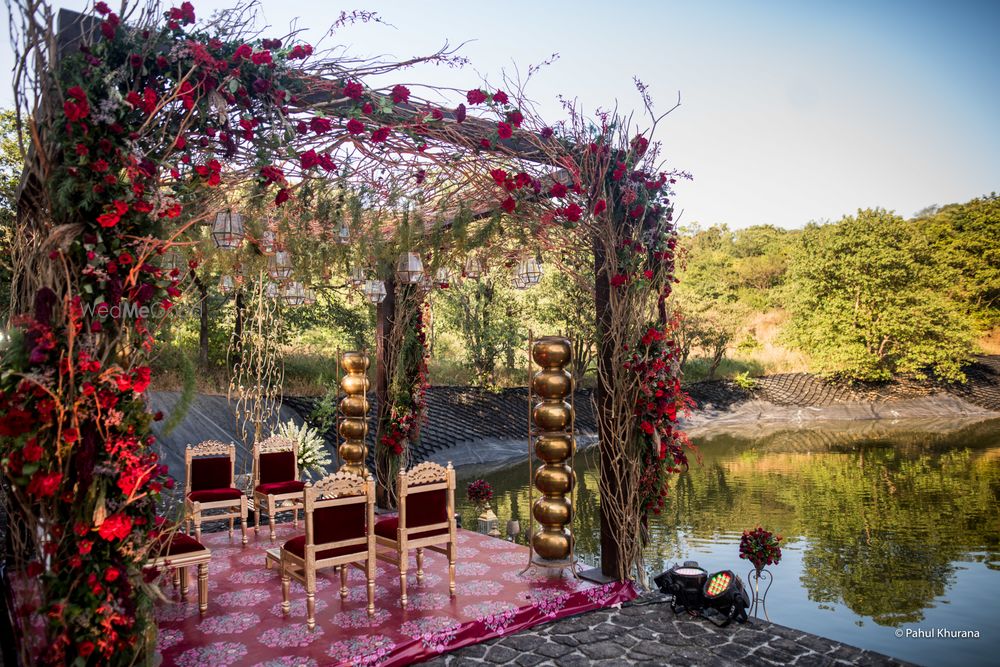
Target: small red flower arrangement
point(479, 492)
point(760, 547)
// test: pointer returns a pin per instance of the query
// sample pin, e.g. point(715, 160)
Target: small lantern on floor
point(227, 230)
point(409, 268)
point(473, 268)
point(279, 266)
point(227, 285)
point(488, 524)
point(529, 271)
point(294, 294)
point(374, 291)
point(442, 277)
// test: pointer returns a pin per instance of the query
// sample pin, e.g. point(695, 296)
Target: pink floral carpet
point(244, 624)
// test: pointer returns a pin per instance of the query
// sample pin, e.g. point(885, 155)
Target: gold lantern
point(268, 242)
point(552, 418)
point(279, 266)
point(354, 409)
point(409, 268)
point(227, 230)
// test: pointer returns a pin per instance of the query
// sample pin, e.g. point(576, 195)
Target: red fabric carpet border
point(244, 624)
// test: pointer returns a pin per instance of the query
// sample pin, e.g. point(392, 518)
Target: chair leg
point(404, 557)
point(175, 577)
point(197, 523)
point(343, 582)
point(295, 517)
point(286, 607)
point(270, 516)
point(310, 598)
point(420, 565)
point(231, 524)
point(451, 568)
point(202, 588)
point(184, 582)
point(243, 518)
point(370, 567)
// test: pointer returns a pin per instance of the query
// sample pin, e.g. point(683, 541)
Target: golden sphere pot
point(354, 410)
point(553, 415)
point(555, 545)
point(552, 351)
point(554, 384)
point(554, 447)
point(555, 479)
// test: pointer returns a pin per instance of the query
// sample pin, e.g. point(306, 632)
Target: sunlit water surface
point(887, 527)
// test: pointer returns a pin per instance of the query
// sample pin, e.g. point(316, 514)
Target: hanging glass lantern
point(529, 271)
point(473, 268)
point(442, 278)
point(344, 234)
point(294, 294)
point(425, 284)
point(227, 230)
point(279, 266)
point(268, 242)
point(517, 283)
point(409, 268)
point(357, 276)
point(271, 291)
point(174, 260)
point(227, 285)
point(310, 299)
point(374, 291)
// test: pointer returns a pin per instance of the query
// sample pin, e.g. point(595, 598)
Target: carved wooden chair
point(426, 520)
point(178, 551)
point(209, 485)
point(276, 485)
point(339, 516)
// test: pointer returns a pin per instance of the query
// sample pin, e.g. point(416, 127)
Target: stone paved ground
point(651, 634)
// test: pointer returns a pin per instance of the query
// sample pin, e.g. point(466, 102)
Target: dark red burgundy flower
point(460, 113)
point(500, 97)
point(354, 90)
point(475, 96)
point(504, 130)
point(400, 94)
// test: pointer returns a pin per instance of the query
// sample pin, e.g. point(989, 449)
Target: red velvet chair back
point(277, 467)
point(211, 472)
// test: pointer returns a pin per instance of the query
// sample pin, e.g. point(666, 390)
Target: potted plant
point(760, 547)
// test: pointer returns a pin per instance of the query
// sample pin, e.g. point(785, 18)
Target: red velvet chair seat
point(388, 526)
point(177, 544)
point(281, 488)
point(214, 495)
point(297, 546)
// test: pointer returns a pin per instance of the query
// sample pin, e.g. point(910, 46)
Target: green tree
point(11, 165)
point(869, 301)
point(562, 304)
point(486, 317)
point(966, 238)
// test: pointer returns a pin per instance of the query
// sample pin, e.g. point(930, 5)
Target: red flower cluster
point(479, 492)
point(760, 547)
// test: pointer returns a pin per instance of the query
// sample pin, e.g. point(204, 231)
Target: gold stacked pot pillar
point(354, 412)
point(552, 418)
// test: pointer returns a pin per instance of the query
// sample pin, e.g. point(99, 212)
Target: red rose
point(367, 108)
point(70, 435)
point(619, 280)
point(309, 159)
point(515, 117)
point(460, 113)
point(637, 211)
point(476, 96)
point(320, 125)
point(499, 176)
point(508, 205)
point(111, 574)
point(380, 135)
point(500, 97)
point(354, 90)
point(557, 190)
point(400, 94)
point(284, 194)
point(573, 212)
point(117, 526)
point(44, 484)
point(141, 381)
point(547, 132)
point(355, 126)
point(504, 130)
point(600, 206)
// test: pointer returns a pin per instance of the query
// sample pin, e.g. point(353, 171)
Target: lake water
point(888, 528)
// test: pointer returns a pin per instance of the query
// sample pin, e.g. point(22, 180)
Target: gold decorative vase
point(552, 417)
point(354, 411)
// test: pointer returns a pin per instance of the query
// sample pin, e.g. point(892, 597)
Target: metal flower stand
point(756, 577)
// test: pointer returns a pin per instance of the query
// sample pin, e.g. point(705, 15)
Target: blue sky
point(791, 111)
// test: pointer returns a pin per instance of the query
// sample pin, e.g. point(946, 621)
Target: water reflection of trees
point(883, 518)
